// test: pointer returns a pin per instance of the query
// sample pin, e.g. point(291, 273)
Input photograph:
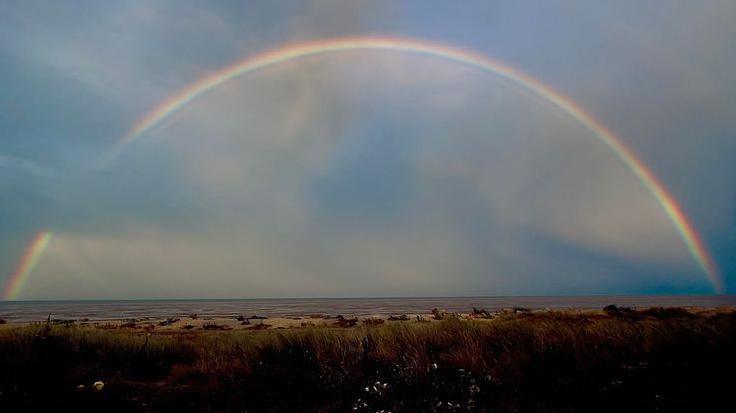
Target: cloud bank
point(362, 174)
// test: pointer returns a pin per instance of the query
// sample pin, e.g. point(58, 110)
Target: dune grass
point(649, 360)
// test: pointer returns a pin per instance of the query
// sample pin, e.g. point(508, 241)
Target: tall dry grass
point(652, 360)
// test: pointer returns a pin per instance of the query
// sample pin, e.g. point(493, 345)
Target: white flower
point(98, 385)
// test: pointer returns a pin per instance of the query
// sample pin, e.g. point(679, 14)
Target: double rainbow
point(264, 60)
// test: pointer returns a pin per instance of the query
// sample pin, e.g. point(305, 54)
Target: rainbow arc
point(261, 61)
point(27, 263)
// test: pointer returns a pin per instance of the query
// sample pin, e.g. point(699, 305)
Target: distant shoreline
point(27, 311)
point(362, 298)
point(244, 321)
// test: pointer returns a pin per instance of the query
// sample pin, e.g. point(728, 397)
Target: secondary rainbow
point(320, 47)
point(27, 263)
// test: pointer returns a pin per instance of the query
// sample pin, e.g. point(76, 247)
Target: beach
point(514, 359)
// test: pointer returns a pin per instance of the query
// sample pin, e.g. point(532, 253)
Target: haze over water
point(25, 311)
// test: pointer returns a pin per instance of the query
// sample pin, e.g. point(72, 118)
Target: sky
point(364, 172)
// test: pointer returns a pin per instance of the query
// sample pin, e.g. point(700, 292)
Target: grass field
point(553, 361)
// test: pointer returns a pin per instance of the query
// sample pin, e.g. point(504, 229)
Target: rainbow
point(27, 263)
point(321, 47)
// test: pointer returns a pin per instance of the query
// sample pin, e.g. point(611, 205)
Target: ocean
point(27, 311)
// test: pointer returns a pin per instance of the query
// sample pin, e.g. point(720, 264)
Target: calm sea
point(106, 310)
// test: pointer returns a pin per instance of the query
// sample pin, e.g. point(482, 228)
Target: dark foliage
point(616, 360)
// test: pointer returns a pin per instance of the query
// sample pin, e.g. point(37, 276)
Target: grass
point(616, 360)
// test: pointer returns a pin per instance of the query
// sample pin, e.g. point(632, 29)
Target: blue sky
point(365, 173)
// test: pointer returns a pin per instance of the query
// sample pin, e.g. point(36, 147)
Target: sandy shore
point(242, 322)
point(254, 322)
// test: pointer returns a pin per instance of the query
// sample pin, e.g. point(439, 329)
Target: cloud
point(661, 79)
point(299, 183)
point(362, 173)
point(16, 164)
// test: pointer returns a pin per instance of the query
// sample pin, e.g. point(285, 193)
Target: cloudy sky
point(364, 173)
